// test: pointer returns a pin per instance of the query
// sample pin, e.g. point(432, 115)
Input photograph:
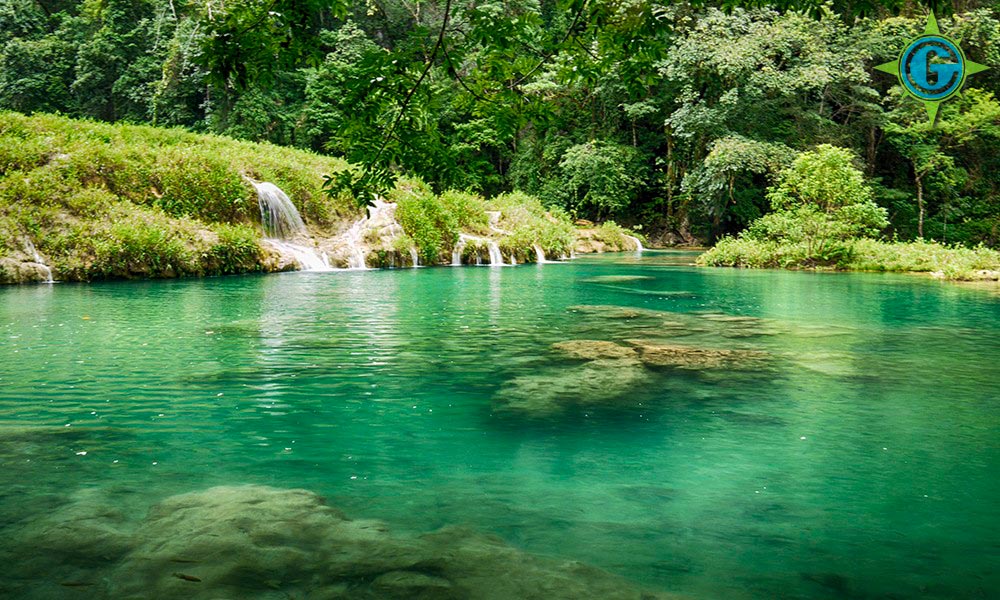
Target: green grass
point(951, 262)
point(101, 201)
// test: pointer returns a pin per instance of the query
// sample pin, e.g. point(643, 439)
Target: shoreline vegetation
point(824, 216)
point(952, 263)
point(84, 200)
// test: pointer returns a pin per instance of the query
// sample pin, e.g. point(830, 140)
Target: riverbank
point(953, 263)
point(82, 201)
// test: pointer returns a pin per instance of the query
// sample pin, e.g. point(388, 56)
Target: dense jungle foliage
point(683, 120)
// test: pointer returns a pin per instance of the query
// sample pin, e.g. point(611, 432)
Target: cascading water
point(456, 253)
point(38, 260)
point(496, 257)
point(278, 214)
point(356, 257)
point(539, 254)
point(281, 222)
point(379, 220)
point(638, 244)
point(513, 260)
point(414, 257)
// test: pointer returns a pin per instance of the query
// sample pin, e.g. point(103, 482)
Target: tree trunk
point(920, 206)
point(872, 145)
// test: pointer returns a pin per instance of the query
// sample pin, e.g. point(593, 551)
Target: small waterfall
point(456, 253)
point(513, 260)
point(496, 259)
point(539, 254)
point(414, 257)
point(282, 222)
point(379, 217)
point(638, 244)
point(278, 214)
point(39, 260)
point(353, 236)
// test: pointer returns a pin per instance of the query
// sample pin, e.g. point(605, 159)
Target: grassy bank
point(100, 201)
point(107, 201)
point(949, 262)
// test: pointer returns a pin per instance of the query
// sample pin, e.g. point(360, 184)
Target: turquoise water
point(859, 460)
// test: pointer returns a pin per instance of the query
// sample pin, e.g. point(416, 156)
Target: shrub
point(237, 249)
point(821, 202)
point(468, 209)
point(526, 223)
point(425, 219)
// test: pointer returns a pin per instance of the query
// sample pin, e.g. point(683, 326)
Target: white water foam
point(281, 222)
point(39, 260)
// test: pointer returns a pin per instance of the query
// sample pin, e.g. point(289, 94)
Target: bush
point(952, 262)
point(237, 249)
point(820, 202)
point(425, 218)
point(526, 223)
point(468, 209)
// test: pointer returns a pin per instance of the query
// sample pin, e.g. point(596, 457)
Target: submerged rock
point(598, 382)
point(593, 349)
point(258, 542)
point(607, 311)
point(691, 357)
point(612, 374)
point(243, 541)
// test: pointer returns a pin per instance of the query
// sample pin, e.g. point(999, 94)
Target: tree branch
point(413, 90)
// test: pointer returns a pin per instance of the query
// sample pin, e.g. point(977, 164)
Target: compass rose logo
point(932, 68)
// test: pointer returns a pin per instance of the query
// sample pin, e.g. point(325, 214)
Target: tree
point(819, 200)
point(931, 150)
point(732, 160)
point(600, 178)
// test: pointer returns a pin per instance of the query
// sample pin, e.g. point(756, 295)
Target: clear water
point(862, 464)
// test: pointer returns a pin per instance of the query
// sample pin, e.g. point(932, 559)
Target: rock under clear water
point(259, 542)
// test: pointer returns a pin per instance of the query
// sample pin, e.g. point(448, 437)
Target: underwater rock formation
point(617, 278)
point(690, 357)
point(258, 542)
point(593, 349)
point(598, 382)
point(642, 344)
